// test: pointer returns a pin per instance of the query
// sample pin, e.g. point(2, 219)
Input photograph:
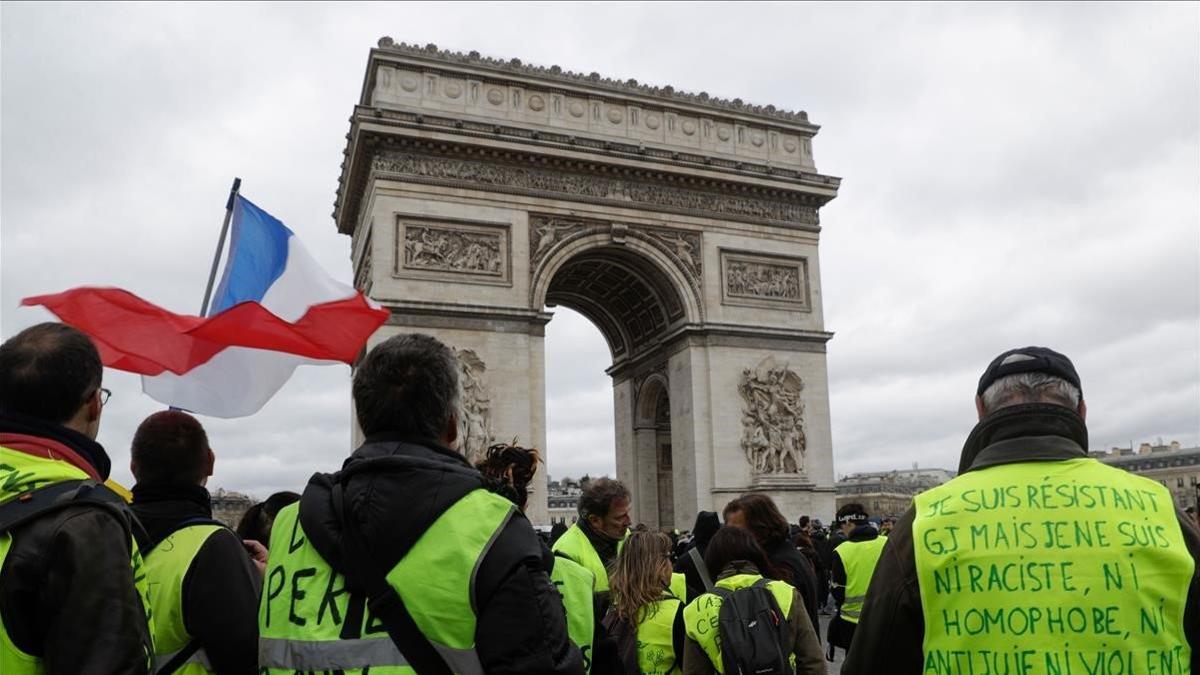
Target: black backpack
point(753, 631)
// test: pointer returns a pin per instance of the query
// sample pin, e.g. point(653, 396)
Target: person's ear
point(979, 407)
point(450, 434)
point(1082, 409)
point(212, 460)
point(94, 407)
point(133, 469)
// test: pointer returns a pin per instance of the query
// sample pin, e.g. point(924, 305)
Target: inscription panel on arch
point(452, 249)
point(760, 280)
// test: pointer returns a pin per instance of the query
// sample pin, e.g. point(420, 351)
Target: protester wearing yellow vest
point(739, 562)
point(850, 575)
point(403, 561)
point(204, 586)
point(594, 540)
point(648, 600)
point(1036, 558)
point(72, 592)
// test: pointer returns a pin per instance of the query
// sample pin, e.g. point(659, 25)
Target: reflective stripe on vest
point(21, 472)
point(574, 544)
point(701, 617)
point(166, 567)
point(859, 559)
point(576, 585)
point(305, 602)
point(1063, 566)
point(655, 637)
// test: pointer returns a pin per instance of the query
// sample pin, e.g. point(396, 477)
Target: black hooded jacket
point(890, 636)
point(220, 589)
point(67, 590)
point(395, 488)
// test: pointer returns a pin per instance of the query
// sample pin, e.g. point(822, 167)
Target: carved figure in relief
point(548, 235)
point(773, 435)
point(452, 250)
point(683, 250)
point(475, 406)
point(763, 281)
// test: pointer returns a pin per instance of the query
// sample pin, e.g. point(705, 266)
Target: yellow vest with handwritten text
point(1052, 567)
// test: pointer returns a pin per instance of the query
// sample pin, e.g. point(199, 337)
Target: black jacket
point(220, 589)
point(890, 635)
point(398, 489)
point(66, 589)
point(787, 558)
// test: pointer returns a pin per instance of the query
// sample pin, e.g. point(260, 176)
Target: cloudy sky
point(1014, 174)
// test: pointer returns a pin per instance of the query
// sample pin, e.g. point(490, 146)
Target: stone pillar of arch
point(480, 194)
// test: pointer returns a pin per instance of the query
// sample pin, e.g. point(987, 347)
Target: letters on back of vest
point(1052, 567)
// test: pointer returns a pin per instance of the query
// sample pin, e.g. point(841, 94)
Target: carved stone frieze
point(773, 429)
point(764, 281)
point(445, 249)
point(505, 178)
point(431, 248)
point(475, 419)
point(547, 232)
point(362, 280)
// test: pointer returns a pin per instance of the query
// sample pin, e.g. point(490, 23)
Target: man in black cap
point(1035, 558)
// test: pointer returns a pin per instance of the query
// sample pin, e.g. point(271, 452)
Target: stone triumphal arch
point(480, 192)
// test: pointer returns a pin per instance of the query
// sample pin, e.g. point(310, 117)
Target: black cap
point(1038, 360)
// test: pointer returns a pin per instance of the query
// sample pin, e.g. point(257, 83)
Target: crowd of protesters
point(411, 560)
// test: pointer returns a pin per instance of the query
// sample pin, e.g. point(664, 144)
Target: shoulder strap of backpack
point(46, 499)
point(383, 601)
point(677, 634)
point(181, 657)
point(701, 568)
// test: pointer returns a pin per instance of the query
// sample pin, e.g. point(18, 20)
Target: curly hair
point(508, 469)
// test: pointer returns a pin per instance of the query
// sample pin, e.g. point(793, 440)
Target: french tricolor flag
point(275, 309)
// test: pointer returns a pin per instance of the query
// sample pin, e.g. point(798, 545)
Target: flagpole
point(212, 274)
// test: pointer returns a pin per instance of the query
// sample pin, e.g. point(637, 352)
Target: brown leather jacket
point(67, 592)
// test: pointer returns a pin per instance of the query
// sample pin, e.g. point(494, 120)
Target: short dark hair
point(599, 495)
point(257, 521)
point(48, 371)
point(170, 448)
point(763, 518)
point(732, 544)
point(407, 384)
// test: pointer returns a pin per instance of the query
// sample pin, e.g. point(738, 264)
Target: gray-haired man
point(1036, 558)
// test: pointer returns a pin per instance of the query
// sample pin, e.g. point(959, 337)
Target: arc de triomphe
point(480, 192)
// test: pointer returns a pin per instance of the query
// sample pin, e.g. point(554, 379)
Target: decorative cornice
point(595, 80)
point(578, 181)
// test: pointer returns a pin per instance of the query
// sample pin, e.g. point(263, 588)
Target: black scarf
point(91, 451)
point(1025, 432)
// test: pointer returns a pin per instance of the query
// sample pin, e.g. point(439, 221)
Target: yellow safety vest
point(859, 559)
point(577, 585)
point(1051, 567)
point(167, 565)
point(656, 631)
point(701, 618)
point(21, 473)
point(574, 544)
point(305, 601)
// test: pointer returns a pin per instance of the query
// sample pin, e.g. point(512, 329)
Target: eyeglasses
point(104, 395)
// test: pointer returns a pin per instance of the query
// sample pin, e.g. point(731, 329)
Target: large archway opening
point(635, 305)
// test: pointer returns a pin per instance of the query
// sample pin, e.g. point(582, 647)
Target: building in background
point(888, 493)
point(228, 506)
point(1175, 467)
point(563, 500)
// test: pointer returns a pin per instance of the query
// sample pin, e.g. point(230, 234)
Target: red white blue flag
point(274, 309)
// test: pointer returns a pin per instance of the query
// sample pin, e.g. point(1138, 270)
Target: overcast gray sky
point(1014, 174)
